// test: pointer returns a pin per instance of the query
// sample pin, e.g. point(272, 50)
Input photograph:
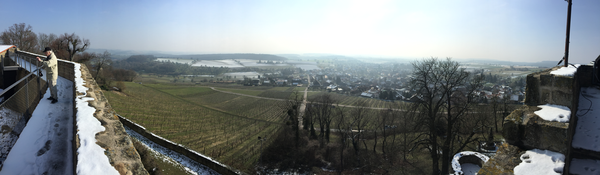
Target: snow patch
point(5, 47)
point(538, 161)
point(585, 166)
point(568, 71)
point(91, 158)
point(587, 133)
point(554, 113)
point(458, 168)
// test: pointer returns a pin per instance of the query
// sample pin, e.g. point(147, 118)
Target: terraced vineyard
point(220, 125)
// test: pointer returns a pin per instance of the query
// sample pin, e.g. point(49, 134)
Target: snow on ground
point(217, 63)
point(566, 71)
point(7, 138)
point(538, 161)
point(470, 169)
point(91, 158)
point(175, 60)
point(585, 166)
point(44, 146)
point(555, 113)
point(173, 157)
point(458, 168)
point(587, 133)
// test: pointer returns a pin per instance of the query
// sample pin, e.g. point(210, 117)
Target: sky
point(509, 30)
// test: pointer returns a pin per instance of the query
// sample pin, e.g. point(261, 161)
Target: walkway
point(44, 146)
point(586, 140)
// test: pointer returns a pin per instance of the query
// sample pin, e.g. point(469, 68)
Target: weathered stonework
point(119, 148)
point(525, 129)
point(506, 159)
point(545, 88)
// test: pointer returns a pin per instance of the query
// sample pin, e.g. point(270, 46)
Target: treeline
point(69, 47)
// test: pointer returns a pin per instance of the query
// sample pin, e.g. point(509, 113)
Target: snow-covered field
point(240, 75)
point(172, 157)
point(44, 146)
point(175, 60)
point(240, 63)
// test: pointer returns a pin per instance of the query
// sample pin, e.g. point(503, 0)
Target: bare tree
point(321, 110)
point(45, 40)
point(445, 92)
point(309, 119)
point(293, 109)
point(353, 126)
point(102, 61)
point(86, 57)
point(70, 45)
point(21, 36)
point(495, 108)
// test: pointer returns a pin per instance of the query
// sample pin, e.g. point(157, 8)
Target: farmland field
point(219, 125)
point(351, 100)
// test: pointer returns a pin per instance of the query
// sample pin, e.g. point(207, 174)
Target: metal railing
point(18, 101)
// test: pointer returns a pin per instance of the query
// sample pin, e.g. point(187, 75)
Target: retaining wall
point(204, 160)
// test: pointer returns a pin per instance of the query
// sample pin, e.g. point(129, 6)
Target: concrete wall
point(214, 165)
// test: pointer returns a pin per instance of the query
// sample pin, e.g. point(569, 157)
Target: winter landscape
point(301, 87)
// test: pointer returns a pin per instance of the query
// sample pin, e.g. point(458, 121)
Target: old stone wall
point(117, 143)
point(524, 130)
point(212, 164)
point(545, 88)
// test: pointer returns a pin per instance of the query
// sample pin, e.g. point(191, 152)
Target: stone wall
point(206, 161)
point(524, 130)
point(116, 142)
point(544, 88)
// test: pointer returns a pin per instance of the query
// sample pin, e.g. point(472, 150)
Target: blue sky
point(511, 30)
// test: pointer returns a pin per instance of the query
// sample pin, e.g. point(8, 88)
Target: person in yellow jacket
point(51, 63)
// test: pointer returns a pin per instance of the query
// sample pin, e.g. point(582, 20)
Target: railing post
point(37, 63)
point(27, 113)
